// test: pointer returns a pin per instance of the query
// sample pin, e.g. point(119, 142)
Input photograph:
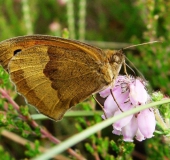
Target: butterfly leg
point(99, 105)
point(124, 66)
point(115, 99)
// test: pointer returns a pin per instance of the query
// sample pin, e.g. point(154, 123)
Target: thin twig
point(12, 136)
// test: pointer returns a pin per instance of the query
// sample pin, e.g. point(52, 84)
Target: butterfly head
point(115, 59)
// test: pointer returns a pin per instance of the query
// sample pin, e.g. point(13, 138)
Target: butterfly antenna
point(141, 44)
point(131, 62)
point(134, 68)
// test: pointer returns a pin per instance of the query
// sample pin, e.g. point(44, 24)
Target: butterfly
point(54, 74)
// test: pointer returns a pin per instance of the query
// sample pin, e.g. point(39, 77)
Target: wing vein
point(35, 87)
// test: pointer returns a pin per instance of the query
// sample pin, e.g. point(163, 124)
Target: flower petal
point(130, 130)
point(105, 92)
point(138, 93)
point(146, 122)
point(116, 132)
point(139, 136)
point(126, 106)
point(110, 107)
point(119, 96)
point(122, 122)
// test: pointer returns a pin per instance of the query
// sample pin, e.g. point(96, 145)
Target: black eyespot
point(16, 51)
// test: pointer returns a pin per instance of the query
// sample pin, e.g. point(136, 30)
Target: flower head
point(129, 93)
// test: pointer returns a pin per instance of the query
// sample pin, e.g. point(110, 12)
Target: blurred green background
point(110, 24)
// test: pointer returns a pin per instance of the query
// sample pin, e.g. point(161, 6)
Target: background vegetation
point(106, 24)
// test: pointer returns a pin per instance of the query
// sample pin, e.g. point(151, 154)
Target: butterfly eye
point(16, 51)
point(115, 58)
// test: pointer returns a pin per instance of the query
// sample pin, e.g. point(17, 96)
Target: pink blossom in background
point(54, 26)
point(62, 2)
point(129, 93)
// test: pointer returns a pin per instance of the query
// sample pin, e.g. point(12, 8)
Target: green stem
point(69, 114)
point(26, 15)
point(91, 130)
point(82, 17)
point(70, 19)
point(160, 120)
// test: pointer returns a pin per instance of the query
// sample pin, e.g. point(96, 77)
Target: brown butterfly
point(54, 74)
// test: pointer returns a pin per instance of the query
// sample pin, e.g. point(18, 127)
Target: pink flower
point(54, 26)
point(145, 118)
point(129, 93)
point(62, 2)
